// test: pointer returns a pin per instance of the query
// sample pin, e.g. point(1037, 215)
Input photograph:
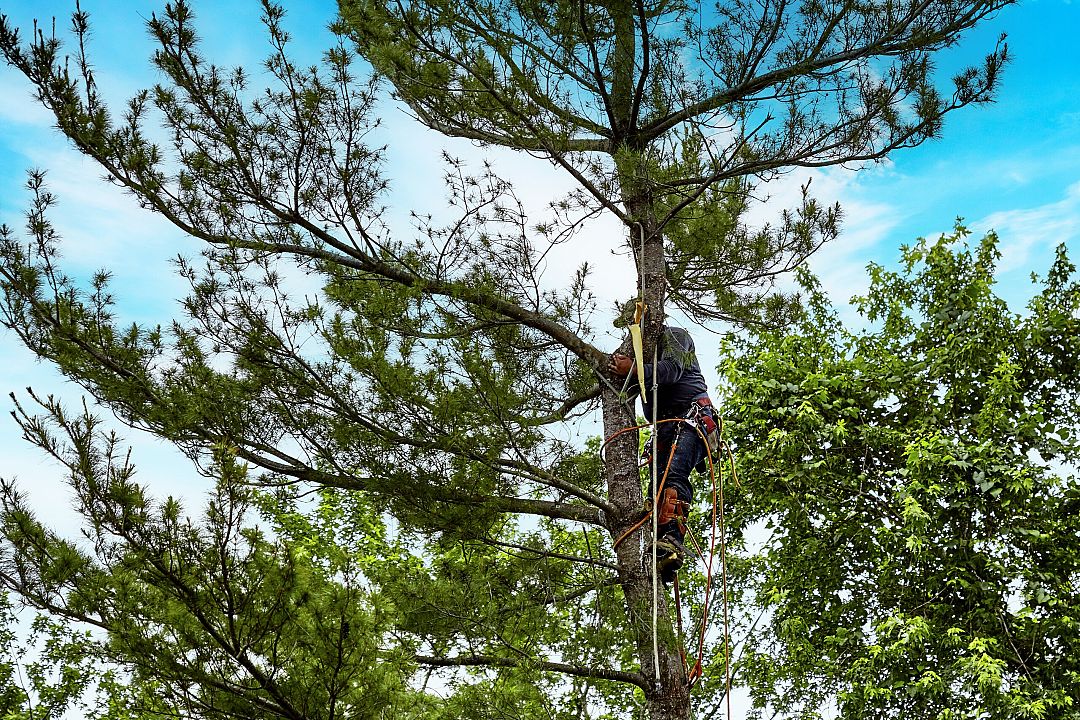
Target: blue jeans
point(689, 451)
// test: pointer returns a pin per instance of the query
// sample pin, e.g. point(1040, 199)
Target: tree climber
point(681, 392)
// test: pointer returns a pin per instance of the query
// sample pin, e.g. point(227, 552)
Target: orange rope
point(635, 526)
point(617, 433)
point(671, 455)
point(696, 672)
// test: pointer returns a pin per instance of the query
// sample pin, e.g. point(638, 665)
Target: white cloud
point(883, 209)
point(101, 226)
point(841, 264)
point(19, 108)
point(866, 226)
point(1028, 236)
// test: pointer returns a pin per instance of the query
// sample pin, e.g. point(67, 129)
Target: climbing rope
point(655, 513)
point(695, 672)
point(718, 533)
point(718, 512)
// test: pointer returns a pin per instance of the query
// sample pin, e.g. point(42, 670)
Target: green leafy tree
point(667, 114)
point(13, 696)
point(915, 483)
point(429, 371)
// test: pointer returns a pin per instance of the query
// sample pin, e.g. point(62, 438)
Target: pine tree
point(427, 374)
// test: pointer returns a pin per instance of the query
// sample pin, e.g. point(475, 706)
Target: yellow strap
point(635, 337)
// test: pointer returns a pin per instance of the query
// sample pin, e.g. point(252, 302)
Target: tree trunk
point(658, 648)
point(668, 695)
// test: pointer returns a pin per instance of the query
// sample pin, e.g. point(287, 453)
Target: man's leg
point(676, 496)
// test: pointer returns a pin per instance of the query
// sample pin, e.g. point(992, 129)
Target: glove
point(620, 364)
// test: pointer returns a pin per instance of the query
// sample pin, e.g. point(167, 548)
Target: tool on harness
point(702, 414)
point(673, 509)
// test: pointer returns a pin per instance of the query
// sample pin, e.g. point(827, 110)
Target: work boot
point(670, 554)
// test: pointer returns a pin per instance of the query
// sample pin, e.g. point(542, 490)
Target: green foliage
point(14, 702)
point(279, 603)
point(415, 390)
point(216, 618)
point(915, 484)
point(53, 669)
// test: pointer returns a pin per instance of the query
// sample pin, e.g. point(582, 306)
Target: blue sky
point(1013, 166)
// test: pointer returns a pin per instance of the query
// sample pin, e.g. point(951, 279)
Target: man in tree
point(680, 393)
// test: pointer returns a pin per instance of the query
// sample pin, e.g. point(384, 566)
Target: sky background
point(1013, 166)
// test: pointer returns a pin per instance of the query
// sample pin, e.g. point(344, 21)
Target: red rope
point(696, 671)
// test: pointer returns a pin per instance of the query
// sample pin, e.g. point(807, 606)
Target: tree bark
point(657, 644)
